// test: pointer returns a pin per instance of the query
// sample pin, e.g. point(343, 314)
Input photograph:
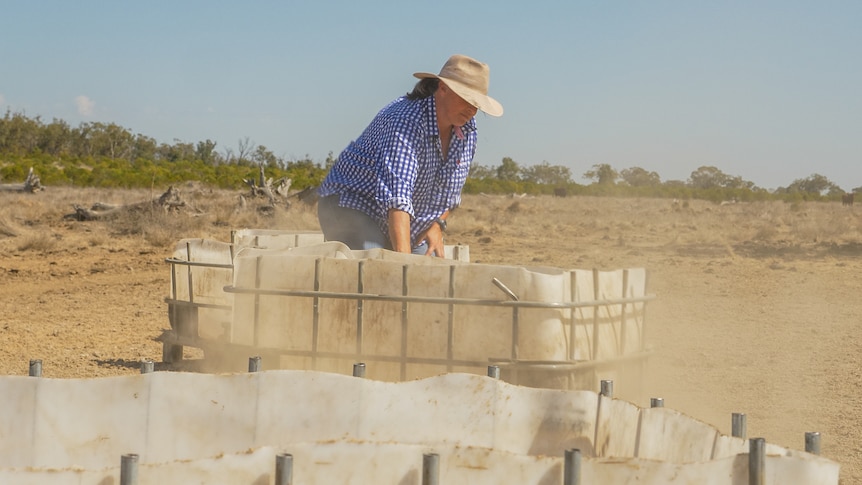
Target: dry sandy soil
point(758, 307)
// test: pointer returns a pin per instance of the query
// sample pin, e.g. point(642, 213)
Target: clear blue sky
point(767, 90)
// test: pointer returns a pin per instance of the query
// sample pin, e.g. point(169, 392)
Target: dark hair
point(424, 88)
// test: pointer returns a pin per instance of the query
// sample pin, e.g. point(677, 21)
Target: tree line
point(96, 154)
point(707, 182)
point(99, 154)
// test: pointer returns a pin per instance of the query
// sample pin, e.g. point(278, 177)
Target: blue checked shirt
point(397, 163)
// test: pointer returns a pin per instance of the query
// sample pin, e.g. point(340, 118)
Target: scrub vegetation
point(106, 155)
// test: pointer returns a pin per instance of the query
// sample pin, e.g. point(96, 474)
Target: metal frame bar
point(513, 302)
point(405, 318)
point(180, 262)
point(450, 362)
point(366, 358)
point(360, 307)
point(441, 300)
point(450, 321)
point(315, 330)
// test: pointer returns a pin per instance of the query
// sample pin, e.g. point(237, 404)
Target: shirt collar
point(430, 108)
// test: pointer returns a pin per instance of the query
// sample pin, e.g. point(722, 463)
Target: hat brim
point(481, 101)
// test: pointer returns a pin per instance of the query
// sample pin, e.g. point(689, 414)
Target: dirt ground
point(758, 305)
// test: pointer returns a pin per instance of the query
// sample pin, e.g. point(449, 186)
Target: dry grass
point(37, 243)
point(759, 229)
point(211, 214)
point(7, 229)
point(757, 307)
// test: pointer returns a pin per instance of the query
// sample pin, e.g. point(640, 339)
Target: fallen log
point(170, 201)
point(102, 207)
point(84, 214)
point(31, 184)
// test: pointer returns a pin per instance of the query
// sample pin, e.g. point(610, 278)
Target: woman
point(395, 185)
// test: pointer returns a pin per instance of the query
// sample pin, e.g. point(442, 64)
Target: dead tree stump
point(265, 187)
point(31, 184)
point(170, 201)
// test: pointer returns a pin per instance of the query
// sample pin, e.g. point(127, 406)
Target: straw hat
point(469, 79)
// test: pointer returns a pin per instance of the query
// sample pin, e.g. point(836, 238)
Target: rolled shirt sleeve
point(396, 164)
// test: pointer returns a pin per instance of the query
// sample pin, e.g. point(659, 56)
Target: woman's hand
point(434, 237)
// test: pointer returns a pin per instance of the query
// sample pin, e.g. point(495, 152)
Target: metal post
point(189, 273)
point(623, 323)
point(572, 467)
point(738, 425)
point(596, 292)
point(430, 469)
point(812, 442)
point(36, 368)
point(573, 315)
point(315, 318)
point(494, 371)
point(608, 388)
point(284, 469)
point(757, 461)
point(516, 320)
point(450, 321)
point(254, 364)
point(129, 469)
point(405, 319)
point(360, 305)
point(656, 402)
point(258, 262)
point(359, 370)
point(147, 366)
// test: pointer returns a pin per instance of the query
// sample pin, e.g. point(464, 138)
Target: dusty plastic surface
point(429, 335)
point(414, 339)
point(197, 428)
point(363, 463)
point(279, 239)
point(209, 310)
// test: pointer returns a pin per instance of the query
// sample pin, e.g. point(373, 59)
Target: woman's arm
point(399, 230)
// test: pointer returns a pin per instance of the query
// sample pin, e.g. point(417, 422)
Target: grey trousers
point(354, 228)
